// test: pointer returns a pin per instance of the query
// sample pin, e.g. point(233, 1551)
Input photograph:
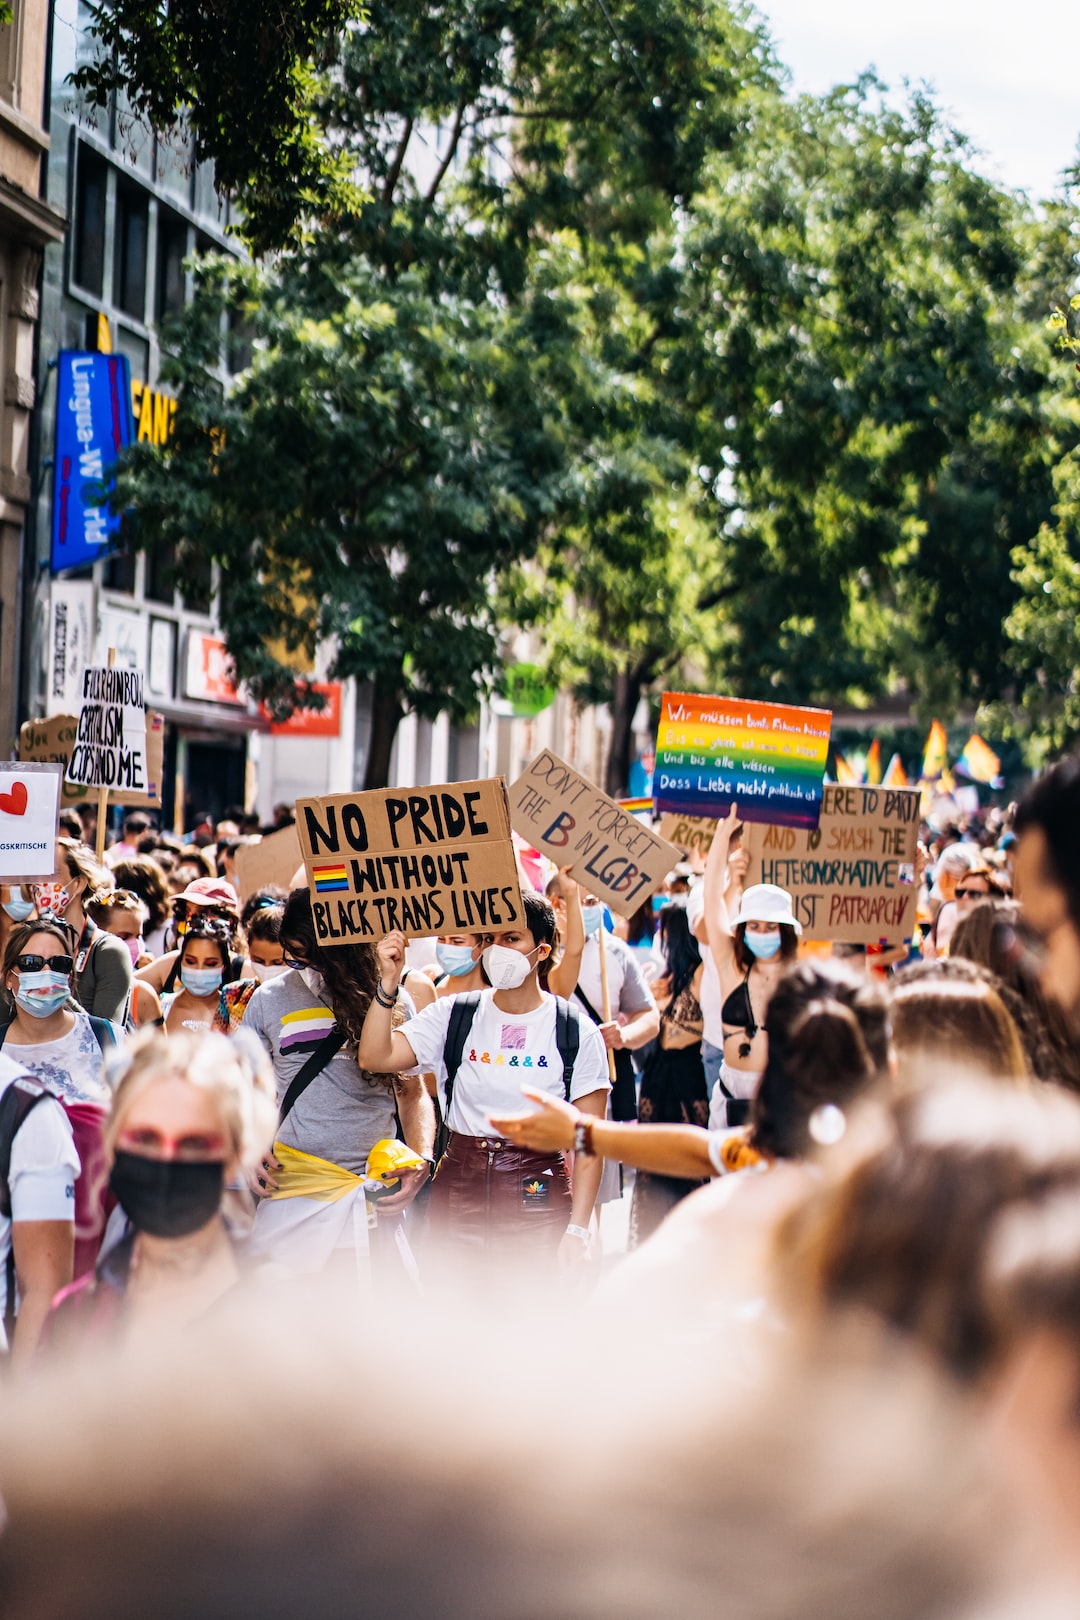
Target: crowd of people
point(855, 1212)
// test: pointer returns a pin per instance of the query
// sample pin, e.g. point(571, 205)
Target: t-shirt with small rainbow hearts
point(503, 1052)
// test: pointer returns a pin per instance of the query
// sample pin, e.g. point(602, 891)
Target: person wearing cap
point(748, 954)
point(205, 897)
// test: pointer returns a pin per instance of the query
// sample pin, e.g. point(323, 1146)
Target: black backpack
point(462, 1015)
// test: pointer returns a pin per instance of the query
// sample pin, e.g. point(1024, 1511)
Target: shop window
point(89, 267)
point(160, 574)
point(129, 283)
point(172, 251)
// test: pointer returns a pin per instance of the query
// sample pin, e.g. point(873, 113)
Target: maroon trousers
point(488, 1194)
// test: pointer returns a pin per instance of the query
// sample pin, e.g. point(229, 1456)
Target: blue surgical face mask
point(456, 960)
point(594, 917)
point(41, 994)
point(17, 908)
point(763, 946)
point(200, 981)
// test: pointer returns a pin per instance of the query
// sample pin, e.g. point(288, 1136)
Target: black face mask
point(168, 1198)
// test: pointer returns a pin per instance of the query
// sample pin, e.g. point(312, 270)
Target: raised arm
point(717, 923)
point(383, 1049)
point(563, 978)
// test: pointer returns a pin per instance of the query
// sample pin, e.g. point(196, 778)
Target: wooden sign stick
point(605, 995)
point(103, 796)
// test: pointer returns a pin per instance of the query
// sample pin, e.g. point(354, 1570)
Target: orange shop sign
point(208, 670)
point(324, 722)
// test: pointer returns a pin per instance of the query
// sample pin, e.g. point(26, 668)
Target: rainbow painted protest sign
point(768, 758)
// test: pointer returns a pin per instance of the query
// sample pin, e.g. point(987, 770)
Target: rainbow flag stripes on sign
point(330, 879)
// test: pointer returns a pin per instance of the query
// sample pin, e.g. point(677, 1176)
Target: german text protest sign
point(29, 813)
point(852, 878)
point(110, 744)
point(53, 740)
point(570, 821)
point(272, 861)
point(769, 758)
point(427, 860)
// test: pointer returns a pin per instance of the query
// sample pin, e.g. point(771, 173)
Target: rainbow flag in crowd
point(979, 762)
point(872, 772)
point(936, 753)
point(895, 774)
point(846, 773)
point(642, 806)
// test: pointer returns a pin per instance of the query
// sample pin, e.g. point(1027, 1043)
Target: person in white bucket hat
point(748, 953)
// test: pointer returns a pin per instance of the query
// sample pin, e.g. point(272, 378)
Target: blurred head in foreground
point(947, 1012)
point(1048, 881)
point(304, 1462)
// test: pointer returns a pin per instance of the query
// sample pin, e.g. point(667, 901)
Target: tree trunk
point(624, 701)
point(386, 713)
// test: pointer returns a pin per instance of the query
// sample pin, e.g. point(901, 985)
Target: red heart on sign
point(15, 801)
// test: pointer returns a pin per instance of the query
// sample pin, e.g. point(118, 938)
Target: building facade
point(29, 223)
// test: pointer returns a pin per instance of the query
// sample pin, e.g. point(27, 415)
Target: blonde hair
point(234, 1070)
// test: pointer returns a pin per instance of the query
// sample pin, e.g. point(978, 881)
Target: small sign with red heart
point(15, 802)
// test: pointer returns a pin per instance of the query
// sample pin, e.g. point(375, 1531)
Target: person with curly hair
point(333, 1112)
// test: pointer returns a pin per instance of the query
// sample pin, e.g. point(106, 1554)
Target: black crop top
point(738, 1010)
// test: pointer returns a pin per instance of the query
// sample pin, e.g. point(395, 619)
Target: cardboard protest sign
point(606, 848)
point(852, 877)
point(426, 860)
point(110, 744)
point(692, 834)
point(274, 859)
point(53, 740)
point(29, 812)
point(769, 758)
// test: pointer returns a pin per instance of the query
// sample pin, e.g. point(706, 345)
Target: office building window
point(120, 572)
point(198, 586)
point(129, 277)
point(89, 266)
point(160, 574)
point(172, 251)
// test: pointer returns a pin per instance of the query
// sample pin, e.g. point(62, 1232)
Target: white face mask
point(507, 969)
point(313, 979)
point(269, 970)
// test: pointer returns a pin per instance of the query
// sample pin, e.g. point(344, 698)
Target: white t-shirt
point(710, 995)
point(44, 1167)
point(503, 1052)
point(627, 989)
point(73, 1067)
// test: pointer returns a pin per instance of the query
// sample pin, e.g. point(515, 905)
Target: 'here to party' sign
point(768, 758)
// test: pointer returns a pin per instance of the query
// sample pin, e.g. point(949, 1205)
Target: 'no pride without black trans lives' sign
point(427, 860)
point(110, 744)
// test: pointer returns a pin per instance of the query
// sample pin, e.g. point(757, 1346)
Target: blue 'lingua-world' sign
point(93, 424)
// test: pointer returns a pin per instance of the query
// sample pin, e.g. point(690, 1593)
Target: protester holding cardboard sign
point(487, 1193)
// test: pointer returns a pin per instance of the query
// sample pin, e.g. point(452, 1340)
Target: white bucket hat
point(766, 902)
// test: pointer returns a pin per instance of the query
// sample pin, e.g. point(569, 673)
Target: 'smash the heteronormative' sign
point(29, 813)
point(93, 424)
point(852, 878)
point(768, 758)
point(427, 860)
point(54, 739)
point(110, 744)
point(607, 849)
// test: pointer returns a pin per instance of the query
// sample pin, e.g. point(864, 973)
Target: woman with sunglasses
point(64, 1048)
point(210, 996)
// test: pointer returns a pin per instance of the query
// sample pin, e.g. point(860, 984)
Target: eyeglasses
point(973, 894)
point(33, 963)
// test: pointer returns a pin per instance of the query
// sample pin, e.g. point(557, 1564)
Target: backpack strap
point(462, 1014)
point(587, 1004)
point(567, 1039)
point(313, 1066)
point(106, 1034)
point(17, 1101)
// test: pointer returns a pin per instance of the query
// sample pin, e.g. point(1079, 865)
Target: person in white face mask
point(488, 1194)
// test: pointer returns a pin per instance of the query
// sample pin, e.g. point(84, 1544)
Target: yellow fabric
point(302, 1175)
point(389, 1158)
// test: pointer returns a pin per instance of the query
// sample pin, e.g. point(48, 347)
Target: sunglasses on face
point(33, 963)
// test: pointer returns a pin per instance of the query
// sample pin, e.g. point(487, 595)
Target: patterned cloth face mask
point(51, 899)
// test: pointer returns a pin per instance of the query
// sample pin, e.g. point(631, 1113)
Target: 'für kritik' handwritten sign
point(110, 744)
point(852, 878)
point(427, 860)
point(608, 851)
point(769, 758)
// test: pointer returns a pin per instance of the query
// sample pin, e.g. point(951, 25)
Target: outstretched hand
point(549, 1130)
